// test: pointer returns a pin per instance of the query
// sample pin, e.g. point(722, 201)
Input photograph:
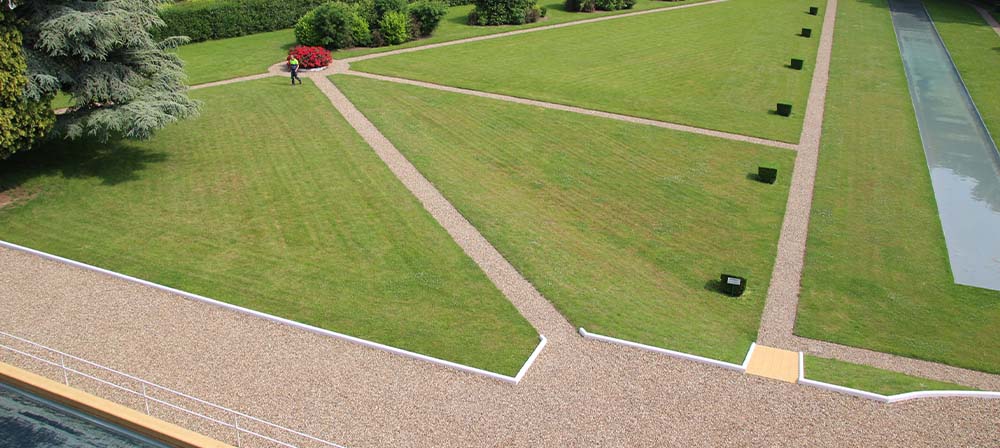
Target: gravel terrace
point(579, 393)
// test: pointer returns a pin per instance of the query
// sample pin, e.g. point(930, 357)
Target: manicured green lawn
point(270, 201)
point(871, 379)
point(248, 55)
point(718, 66)
point(216, 60)
point(975, 48)
point(625, 228)
point(877, 273)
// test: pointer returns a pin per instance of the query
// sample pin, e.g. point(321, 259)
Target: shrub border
point(375, 345)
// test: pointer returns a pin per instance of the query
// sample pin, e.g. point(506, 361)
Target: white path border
point(890, 398)
point(375, 345)
point(675, 354)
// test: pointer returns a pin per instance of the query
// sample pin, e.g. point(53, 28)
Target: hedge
point(218, 19)
point(594, 5)
point(335, 24)
point(505, 12)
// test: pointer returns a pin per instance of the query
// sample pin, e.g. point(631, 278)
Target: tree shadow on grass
point(113, 162)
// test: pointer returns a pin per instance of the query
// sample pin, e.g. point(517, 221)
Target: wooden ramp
point(774, 363)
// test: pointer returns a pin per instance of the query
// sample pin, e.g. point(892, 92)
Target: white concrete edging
point(746, 361)
point(890, 398)
point(375, 345)
point(675, 354)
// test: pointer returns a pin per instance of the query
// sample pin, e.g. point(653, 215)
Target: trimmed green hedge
point(594, 5)
point(505, 12)
point(218, 19)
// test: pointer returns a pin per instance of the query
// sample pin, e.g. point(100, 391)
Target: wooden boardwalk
point(774, 363)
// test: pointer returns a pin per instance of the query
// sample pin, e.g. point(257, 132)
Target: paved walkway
point(579, 392)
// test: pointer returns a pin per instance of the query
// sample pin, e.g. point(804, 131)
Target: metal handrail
point(236, 414)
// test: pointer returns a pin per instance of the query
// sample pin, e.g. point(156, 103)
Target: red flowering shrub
point(310, 57)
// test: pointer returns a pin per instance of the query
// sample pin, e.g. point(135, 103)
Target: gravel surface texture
point(778, 319)
point(579, 393)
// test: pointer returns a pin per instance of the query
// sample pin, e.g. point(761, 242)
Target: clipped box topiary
point(796, 64)
point(767, 175)
point(784, 109)
point(733, 285)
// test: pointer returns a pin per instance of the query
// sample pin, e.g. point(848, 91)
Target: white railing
point(232, 422)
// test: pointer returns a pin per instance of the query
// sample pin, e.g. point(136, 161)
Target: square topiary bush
point(767, 175)
point(784, 109)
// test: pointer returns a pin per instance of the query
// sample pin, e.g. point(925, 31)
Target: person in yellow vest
point(293, 64)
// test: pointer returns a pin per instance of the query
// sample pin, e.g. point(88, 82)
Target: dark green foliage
point(614, 5)
point(333, 25)
point(336, 25)
point(395, 27)
point(580, 6)
point(535, 13)
point(504, 12)
point(594, 5)
point(425, 16)
point(123, 82)
point(217, 19)
point(361, 32)
point(383, 7)
point(22, 122)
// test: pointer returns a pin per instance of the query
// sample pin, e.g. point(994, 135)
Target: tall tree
point(21, 121)
point(123, 82)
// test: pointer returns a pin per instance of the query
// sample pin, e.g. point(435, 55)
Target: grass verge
point(720, 66)
point(216, 60)
point(625, 228)
point(871, 379)
point(269, 201)
point(876, 272)
point(975, 48)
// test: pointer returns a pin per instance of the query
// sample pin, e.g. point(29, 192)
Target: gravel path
point(529, 30)
point(987, 17)
point(778, 319)
point(580, 110)
point(579, 393)
point(538, 311)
